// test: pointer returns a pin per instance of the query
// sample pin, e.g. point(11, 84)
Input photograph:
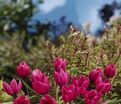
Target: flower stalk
point(57, 91)
point(114, 101)
point(27, 86)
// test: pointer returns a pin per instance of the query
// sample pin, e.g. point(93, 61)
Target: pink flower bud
point(75, 81)
point(95, 73)
point(59, 63)
point(70, 92)
point(13, 88)
point(107, 88)
point(100, 87)
point(82, 82)
point(23, 70)
point(107, 80)
point(61, 77)
point(7, 88)
point(98, 80)
point(110, 70)
point(40, 82)
point(21, 100)
point(92, 97)
point(47, 99)
point(104, 86)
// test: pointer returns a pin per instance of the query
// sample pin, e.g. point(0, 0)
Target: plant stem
point(27, 86)
point(102, 59)
point(7, 103)
point(57, 91)
point(34, 99)
point(117, 58)
point(115, 101)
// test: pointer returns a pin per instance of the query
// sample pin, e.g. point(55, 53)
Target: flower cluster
point(60, 75)
point(90, 88)
point(39, 82)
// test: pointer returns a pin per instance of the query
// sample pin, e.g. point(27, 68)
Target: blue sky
point(77, 11)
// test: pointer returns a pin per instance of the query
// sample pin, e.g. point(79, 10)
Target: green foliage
point(15, 18)
point(83, 53)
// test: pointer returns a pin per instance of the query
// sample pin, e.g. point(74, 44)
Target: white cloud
point(50, 5)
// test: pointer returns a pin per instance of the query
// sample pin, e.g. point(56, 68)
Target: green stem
point(113, 79)
point(27, 86)
point(7, 103)
point(34, 99)
point(57, 91)
point(27, 91)
point(116, 60)
point(105, 96)
point(82, 102)
point(102, 59)
point(115, 101)
point(15, 96)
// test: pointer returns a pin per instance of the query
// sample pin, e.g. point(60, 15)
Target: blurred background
point(26, 25)
point(52, 17)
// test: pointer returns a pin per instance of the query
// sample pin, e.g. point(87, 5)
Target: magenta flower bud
point(100, 87)
point(40, 82)
point(107, 88)
point(69, 92)
point(21, 100)
point(7, 88)
point(92, 97)
point(75, 81)
point(107, 80)
point(23, 70)
point(13, 88)
point(47, 99)
point(59, 63)
point(95, 73)
point(104, 87)
point(61, 77)
point(98, 80)
point(82, 82)
point(110, 70)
